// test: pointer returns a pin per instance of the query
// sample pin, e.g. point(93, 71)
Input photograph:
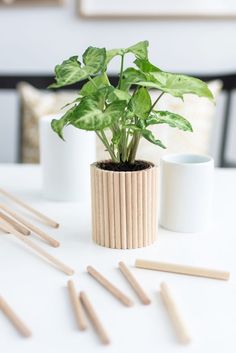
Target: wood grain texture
point(53, 242)
point(124, 208)
point(182, 269)
point(134, 216)
point(116, 292)
point(18, 226)
point(129, 212)
point(14, 318)
point(100, 208)
point(116, 210)
point(44, 218)
point(174, 314)
point(7, 227)
point(111, 215)
point(105, 209)
point(93, 190)
point(134, 283)
point(96, 322)
point(76, 303)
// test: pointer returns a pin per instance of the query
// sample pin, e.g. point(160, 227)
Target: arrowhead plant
point(122, 115)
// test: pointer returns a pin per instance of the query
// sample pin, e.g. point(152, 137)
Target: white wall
point(34, 39)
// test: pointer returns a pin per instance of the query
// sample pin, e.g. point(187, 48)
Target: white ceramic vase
point(66, 164)
point(186, 192)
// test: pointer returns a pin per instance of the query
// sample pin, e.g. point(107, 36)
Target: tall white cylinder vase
point(186, 192)
point(66, 164)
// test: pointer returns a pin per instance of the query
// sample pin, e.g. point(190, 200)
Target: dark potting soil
point(124, 166)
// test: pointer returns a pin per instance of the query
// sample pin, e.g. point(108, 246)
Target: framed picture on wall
point(30, 2)
point(159, 9)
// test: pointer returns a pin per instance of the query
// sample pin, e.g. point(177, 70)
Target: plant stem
point(155, 102)
point(134, 147)
point(121, 71)
point(104, 140)
point(124, 146)
point(92, 81)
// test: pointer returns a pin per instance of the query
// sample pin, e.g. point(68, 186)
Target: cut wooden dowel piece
point(109, 286)
point(174, 314)
point(41, 252)
point(22, 203)
point(20, 228)
point(134, 284)
point(75, 299)
point(6, 228)
point(59, 264)
point(31, 226)
point(94, 318)
point(14, 318)
point(182, 269)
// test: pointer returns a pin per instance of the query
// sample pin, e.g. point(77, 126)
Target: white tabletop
point(38, 291)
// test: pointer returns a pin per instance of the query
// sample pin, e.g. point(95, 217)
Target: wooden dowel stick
point(45, 255)
point(109, 286)
point(3, 230)
point(182, 269)
point(94, 318)
point(174, 314)
point(134, 284)
point(76, 305)
point(20, 228)
point(20, 202)
point(6, 227)
point(31, 226)
point(14, 318)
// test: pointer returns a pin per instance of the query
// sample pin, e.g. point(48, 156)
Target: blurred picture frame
point(157, 9)
point(13, 3)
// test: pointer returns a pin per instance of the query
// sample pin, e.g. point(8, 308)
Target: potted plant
point(124, 190)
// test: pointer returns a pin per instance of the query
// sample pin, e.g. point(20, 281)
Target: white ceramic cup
point(66, 164)
point(186, 187)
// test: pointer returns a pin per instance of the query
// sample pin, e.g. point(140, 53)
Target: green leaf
point(59, 124)
point(95, 101)
point(118, 94)
point(112, 53)
point(76, 100)
point(140, 103)
point(71, 71)
point(68, 72)
point(178, 85)
point(140, 49)
point(98, 82)
point(172, 119)
point(148, 135)
point(175, 84)
point(94, 59)
point(91, 117)
point(145, 66)
point(130, 77)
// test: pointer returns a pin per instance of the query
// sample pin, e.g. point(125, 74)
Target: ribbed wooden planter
point(124, 207)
